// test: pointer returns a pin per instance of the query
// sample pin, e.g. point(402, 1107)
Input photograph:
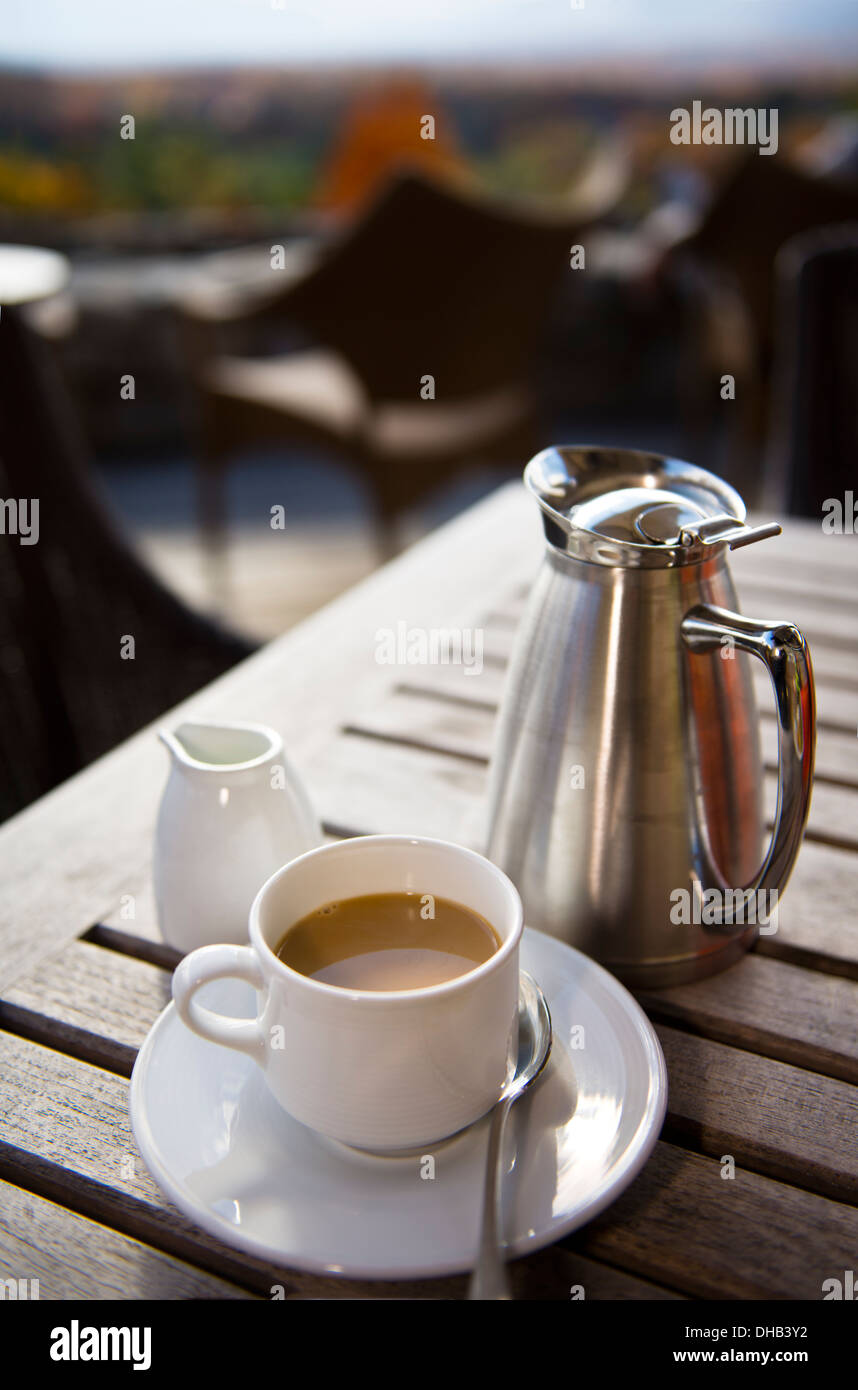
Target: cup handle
point(219, 963)
point(784, 652)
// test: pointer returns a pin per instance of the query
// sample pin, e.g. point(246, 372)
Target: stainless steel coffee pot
point(625, 796)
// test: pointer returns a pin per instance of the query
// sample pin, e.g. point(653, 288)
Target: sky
point(91, 34)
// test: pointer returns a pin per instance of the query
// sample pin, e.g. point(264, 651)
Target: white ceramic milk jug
point(233, 811)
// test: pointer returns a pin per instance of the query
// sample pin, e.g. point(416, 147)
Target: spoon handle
point(489, 1279)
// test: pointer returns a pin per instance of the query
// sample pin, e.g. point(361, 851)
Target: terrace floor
point(271, 579)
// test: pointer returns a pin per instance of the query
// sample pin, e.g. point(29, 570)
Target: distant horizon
point(724, 66)
point(90, 39)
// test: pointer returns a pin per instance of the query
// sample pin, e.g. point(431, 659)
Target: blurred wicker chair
point(67, 601)
point(427, 283)
point(814, 440)
point(725, 270)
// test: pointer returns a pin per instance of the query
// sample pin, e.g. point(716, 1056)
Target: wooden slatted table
point(762, 1060)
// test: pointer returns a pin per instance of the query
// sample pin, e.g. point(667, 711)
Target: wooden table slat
point(466, 730)
point(779, 1120)
point(833, 665)
point(683, 1223)
point(786, 1119)
point(762, 1060)
point(837, 707)
point(65, 1133)
point(72, 1257)
point(74, 1139)
point(779, 1010)
point(90, 1002)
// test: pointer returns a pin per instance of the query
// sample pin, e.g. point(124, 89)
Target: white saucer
point(235, 1163)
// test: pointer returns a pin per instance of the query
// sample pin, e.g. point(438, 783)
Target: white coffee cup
point(379, 1070)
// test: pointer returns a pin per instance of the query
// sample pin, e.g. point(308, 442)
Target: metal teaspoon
point(489, 1279)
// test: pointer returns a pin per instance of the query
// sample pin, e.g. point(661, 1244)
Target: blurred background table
point(762, 1060)
point(29, 273)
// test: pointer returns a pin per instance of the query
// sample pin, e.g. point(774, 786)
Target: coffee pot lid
point(625, 507)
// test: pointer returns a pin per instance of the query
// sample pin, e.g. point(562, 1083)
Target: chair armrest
point(236, 285)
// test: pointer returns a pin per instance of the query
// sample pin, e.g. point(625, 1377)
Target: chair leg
point(385, 511)
point(750, 441)
point(386, 534)
point(212, 516)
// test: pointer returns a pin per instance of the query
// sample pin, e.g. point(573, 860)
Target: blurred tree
point(27, 181)
point(401, 124)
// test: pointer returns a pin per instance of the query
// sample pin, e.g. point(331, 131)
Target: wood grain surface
point(762, 1060)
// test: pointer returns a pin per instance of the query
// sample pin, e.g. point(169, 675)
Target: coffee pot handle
point(784, 652)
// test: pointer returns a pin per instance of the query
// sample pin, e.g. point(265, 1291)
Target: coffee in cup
point(386, 941)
